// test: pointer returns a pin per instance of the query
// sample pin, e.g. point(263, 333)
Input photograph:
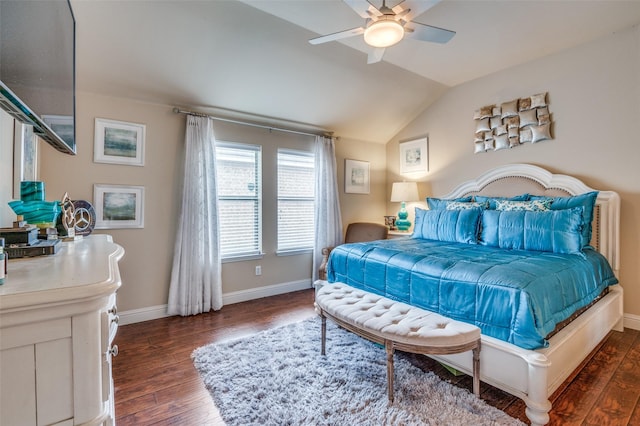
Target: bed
point(530, 343)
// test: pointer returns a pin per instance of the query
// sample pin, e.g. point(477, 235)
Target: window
point(238, 169)
point(296, 188)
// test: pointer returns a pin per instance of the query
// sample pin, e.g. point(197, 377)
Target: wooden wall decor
point(513, 123)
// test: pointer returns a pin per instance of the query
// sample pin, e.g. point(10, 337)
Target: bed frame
point(534, 375)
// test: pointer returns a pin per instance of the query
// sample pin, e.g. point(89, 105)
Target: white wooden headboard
point(514, 179)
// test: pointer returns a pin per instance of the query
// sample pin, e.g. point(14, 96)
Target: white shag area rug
point(278, 377)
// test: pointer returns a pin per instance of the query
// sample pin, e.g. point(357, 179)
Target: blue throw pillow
point(586, 200)
point(557, 231)
point(441, 203)
point(491, 201)
point(460, 226)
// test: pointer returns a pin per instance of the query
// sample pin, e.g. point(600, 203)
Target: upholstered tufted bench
point(396, 325)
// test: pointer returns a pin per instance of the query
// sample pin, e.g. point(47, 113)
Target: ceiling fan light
point(383, 33)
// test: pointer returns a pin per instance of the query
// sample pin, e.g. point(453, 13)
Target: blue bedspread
point(516, 296)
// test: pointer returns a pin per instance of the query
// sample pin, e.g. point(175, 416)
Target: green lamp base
point(402, 223)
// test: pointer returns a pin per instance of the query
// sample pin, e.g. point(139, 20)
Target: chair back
point(359, 232)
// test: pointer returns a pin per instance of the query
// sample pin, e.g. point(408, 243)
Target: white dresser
point(58, 318)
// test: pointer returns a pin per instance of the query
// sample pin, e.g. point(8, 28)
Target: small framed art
point(118, 206)
point(356, 177)
point(118, 142)
point(414, 156)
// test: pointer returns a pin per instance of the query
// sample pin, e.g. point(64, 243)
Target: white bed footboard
point(534, 375)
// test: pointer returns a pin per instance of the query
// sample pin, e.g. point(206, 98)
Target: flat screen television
point(37, 68)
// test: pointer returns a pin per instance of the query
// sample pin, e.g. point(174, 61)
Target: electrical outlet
point(258, 270)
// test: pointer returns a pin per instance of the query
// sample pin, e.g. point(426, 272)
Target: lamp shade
point(404, 191)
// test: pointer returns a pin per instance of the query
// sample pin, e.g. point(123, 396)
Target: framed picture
point(25, 158)
point(63, 126)
point(414, 156)
point(118, 206)
point(117, 142)
point(356, 177)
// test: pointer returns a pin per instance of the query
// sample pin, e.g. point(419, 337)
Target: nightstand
point(398, 234)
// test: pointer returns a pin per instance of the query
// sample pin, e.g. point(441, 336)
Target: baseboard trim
point(142, 314)
point(632, 321)
point(160, 311)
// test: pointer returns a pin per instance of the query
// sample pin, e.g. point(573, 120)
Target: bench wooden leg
point(324, 333)
point(389, 347)
point(476, 370)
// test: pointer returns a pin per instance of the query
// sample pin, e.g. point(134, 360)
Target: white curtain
point(328, 221)
point(196, 283)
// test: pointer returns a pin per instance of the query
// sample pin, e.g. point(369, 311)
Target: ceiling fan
point(386, 26)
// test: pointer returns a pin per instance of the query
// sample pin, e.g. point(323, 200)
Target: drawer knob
point(113, 351)
point(115, 319)
point(114, 310)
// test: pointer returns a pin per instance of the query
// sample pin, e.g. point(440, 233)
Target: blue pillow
point(557, 231)
point(441, 203)
point(586, 200)
point(491, 201)
point(460, 226)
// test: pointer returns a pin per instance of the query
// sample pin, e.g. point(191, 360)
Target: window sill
point(293, 252)
point(243, 258)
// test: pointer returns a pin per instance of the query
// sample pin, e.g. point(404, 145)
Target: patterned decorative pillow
point(491, 201)
point(459, 205)
point(478, 147)
point(441, 203)
point(501, 130)
point(517, 206)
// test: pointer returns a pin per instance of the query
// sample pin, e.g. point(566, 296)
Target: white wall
point(594, 97)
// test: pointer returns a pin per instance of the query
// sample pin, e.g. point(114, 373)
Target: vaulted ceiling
point(254, 57)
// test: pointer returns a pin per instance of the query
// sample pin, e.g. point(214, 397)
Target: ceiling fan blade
point(417, 8)
point(428, 33)
point(337, 36)
point(375, 55)
point(363, 8)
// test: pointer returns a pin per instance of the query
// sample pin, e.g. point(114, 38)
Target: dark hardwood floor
point(156, 383)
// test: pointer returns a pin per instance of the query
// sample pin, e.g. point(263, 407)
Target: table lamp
point(404, 192)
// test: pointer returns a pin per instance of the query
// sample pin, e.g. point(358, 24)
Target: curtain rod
point(247, 123)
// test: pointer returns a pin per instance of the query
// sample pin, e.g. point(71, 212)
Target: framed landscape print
point(118, 206)
point(356, 177)
point(118, 142)
point(414, 156)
